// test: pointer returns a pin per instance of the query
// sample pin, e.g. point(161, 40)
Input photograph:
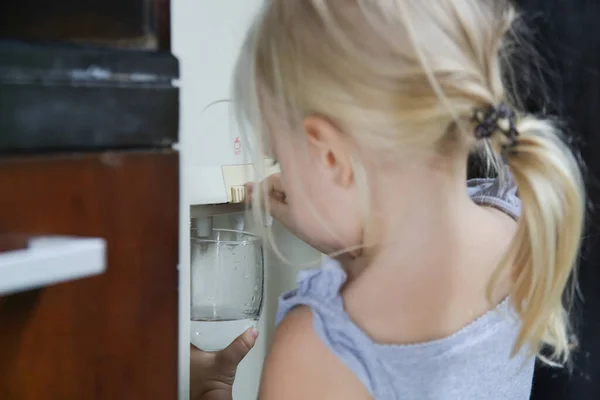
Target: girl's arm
point(300, 366)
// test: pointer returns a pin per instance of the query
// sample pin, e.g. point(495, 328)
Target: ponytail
point(545, 248)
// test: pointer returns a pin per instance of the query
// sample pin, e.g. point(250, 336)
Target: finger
point(273, 181)
point(277, 201)
point(198, 354)
point(194, 349)
point(249, 187)
point(237, 350)
point(270, 187)
point(279, 210)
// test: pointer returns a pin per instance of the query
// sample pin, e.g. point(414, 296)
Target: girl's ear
point(329, 147)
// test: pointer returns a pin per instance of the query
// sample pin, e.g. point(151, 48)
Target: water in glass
point(227, 273)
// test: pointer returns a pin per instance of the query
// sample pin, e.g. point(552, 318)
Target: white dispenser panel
point(207, 37)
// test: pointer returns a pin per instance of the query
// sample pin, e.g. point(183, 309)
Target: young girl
point(435, 290)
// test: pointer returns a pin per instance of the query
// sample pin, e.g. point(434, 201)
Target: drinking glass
point(227, 284)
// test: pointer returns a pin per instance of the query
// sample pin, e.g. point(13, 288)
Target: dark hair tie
point(496, 118)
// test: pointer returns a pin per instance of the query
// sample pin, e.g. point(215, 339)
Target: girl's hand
point(277, 199)
point(279, 208)
point(212, 374)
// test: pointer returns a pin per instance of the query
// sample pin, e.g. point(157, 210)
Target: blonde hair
point(403, 73)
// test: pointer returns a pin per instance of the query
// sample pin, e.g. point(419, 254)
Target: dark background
point(567, 36)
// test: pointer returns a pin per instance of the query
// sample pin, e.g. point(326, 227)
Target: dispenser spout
point(202, 227)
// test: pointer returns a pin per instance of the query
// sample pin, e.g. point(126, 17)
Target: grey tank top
point(472, 364)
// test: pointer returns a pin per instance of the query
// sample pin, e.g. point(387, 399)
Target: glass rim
point(251, 238)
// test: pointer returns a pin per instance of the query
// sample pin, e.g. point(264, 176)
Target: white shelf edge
point(50, 260)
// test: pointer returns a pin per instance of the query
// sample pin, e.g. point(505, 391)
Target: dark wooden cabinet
point(131, 24)
point(109, 337)
point(89, 115)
